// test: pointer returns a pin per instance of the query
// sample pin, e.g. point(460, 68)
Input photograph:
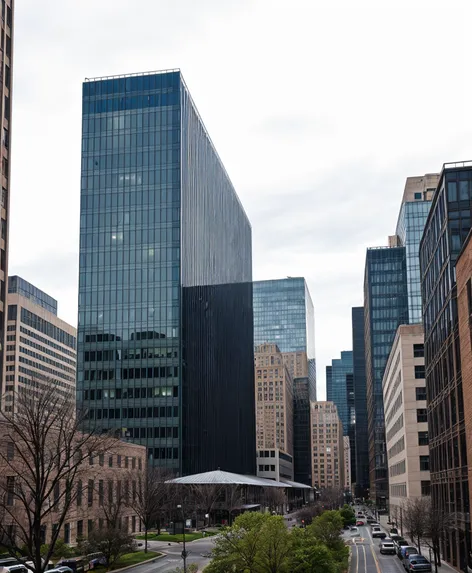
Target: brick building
point(104, 483)
point(328, 446)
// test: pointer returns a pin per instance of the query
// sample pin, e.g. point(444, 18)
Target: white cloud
point(331, 104)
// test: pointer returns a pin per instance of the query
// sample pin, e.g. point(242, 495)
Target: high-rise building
point(446, 230)
point(40, 347)
point(340, 390)
point(385, 308)
point(414, 211)
point(284, 315)
point(347, 463)
point(274, 414)
point(165, 334)
point(336, 386)
point(302, 446)
point(406, 423)
point(328, 446)
point(6, 83)
point(360, 403)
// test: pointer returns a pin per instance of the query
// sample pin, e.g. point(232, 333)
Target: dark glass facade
point(360, 402)
point(446, 229)
point(302, 454)
point(336, 386)
point(385, 307)
point(165, 339)
point(18, 285)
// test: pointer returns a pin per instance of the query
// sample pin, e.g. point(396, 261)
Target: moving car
point(416, 563)
point(374, 524)
point(408, 550)
point(377, 532)
point(360, 522)
point(387, 547)
point(354, 530)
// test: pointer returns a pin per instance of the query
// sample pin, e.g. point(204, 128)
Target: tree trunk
point(145, 540)
point(419, 545)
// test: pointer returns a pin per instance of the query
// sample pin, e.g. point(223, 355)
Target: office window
point(418, 196)
point(424, 463)
point(90, 492)
point(418, 350)
point(419, 372)
point(421, 393)
point(421, 415)
point(423, 438)
point(425, 487)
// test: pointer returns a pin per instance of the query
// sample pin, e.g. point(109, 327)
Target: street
point(173, 559)
point(366, 557)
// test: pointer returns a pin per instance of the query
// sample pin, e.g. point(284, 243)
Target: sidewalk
point(445, 567)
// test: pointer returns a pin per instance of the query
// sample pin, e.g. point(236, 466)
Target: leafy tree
point(112, 542)
point(309, 555)
point(326, 528)
point(348, 515)
point(275, 546)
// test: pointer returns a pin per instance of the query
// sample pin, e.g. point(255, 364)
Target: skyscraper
point(447, 227)
point(6, 82)
point(328, 446)
point(360, 403)
point(414, 211)
point(165, 330)
point(386, 306)
point(336, 386)
point(274, 414)
point(284, 315)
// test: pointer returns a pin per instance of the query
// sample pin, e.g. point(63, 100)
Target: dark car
point(417, 563)
point(399, 543)
point(407, 550)
point(394, 531)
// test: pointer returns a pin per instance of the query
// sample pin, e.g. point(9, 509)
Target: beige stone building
point(274, 414)
point(347, 464)
point(328, 446)
point(297, 364)
point(40, 347)
point(406, 426)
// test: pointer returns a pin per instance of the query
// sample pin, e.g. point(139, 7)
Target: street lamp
point(184, 552)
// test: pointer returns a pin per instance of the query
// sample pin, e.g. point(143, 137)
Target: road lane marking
point(357, 559)
point(375, 559)
point(365, 559)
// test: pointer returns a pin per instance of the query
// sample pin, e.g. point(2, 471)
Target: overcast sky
point(319, 110)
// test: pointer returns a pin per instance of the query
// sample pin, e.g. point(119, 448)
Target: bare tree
point(42, 455)
point(151, 497)
point(437, 521)
point(332, 497)
point(112, 542)
point(415, 519)
point(233, 500)
point(275, 499)
point(205, 497)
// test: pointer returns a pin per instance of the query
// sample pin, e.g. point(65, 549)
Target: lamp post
point(184, 552)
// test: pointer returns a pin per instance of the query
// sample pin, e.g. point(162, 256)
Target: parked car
point(377, 532)
point(408, 550)
point(399, 543)
point(394, 531)
point(375, 524)
point(387, 547)
point(416, 563)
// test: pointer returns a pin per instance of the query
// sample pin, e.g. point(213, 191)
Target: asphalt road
point(366, 557)
point(173, 559)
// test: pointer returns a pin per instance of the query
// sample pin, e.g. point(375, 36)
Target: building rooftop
point(227, 478)
point(18, 285)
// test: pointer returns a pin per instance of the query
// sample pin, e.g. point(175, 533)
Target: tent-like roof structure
point(296, 484)
point(227, 478)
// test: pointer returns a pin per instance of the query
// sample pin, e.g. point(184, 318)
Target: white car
point(354, 531)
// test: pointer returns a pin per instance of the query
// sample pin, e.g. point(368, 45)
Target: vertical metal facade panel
point(360, 401)
point(218, 409)
point(302, 450)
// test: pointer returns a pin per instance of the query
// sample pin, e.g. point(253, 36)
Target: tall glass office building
point(410, 225)
point(284, 315)
point(165, 335)
point(385, 307)
point(336, 387)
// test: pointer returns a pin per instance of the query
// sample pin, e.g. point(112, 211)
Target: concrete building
point(274, 414)
point(328, 446)
point(445, 232)
point(165, 287)
point(6, 83)
point(385, 308)
point(347, 464)
point(40, 348)
point(360, 403)
point(406, 424)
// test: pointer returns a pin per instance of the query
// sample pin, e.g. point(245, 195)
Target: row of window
point(126, 393)
point(47, 360)
point(397, 469)
point(46, 341)
point(46, 350)
point(133, 413)
point(133, 373)
point(129, 354)
point(29, 362)
point(41, 325)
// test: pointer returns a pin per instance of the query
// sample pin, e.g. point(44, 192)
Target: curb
point(349, 559)
point(138, 564)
